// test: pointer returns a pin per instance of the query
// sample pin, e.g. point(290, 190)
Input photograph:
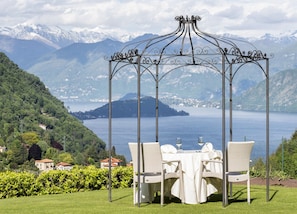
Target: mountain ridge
point(79, 71)
point(282, 94)
point(58, 37)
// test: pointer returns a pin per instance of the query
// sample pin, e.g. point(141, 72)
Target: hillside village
point(48, 164)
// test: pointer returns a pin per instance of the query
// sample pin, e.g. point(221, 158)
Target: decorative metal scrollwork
point(119, 56)
point(182, 48)
point(250, 56)
point(256, 55)
point(148, 60)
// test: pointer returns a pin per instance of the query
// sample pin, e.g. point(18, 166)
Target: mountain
point(74, 65)
point(128, 108)
point(58, 37)
point(79, 72)
point(26, 43)
point(24, 52)
point(30, 114)
point(282, 94)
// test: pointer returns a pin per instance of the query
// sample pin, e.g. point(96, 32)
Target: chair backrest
point(133, 147)
point(238, 155)
point(152, 157)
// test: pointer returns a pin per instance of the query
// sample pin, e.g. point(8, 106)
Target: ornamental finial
point(186, 19)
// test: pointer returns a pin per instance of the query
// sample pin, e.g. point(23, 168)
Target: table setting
point(190, 161)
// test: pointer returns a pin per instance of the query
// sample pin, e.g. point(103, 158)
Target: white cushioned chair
point(238, 165)
point(152, 167)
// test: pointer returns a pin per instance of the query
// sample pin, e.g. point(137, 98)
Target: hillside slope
point(29, 114)
point(282, 94)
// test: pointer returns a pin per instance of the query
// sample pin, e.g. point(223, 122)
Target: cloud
point(154, 16)
point(268, 15)
point(233, 12)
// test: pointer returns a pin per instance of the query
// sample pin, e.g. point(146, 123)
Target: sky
point(238, 17)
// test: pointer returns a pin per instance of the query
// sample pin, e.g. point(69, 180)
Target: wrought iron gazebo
point(185, 47)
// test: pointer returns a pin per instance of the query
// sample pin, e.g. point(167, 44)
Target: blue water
point(201, 122)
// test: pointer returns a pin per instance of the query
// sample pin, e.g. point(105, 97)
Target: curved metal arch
point(178, 33)
point(242, 65)
point(137, 44)
point(230, 79)
point(163, 48)
point(145, 69)
point(209, 65)
point(115, 71)
point(148, 70)
point(181, 66)
point(220, 45)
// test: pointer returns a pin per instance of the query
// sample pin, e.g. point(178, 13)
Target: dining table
point(190, 163)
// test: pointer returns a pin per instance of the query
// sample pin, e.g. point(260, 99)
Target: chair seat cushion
point(237, 177)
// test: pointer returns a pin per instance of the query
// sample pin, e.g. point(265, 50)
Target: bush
point(16, 184)
point(13, 184)
point(121, 177)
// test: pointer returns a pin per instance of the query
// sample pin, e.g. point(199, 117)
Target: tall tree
point(34, 152)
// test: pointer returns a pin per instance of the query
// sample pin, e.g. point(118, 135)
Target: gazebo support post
point(157, 103)
point(230, 105)
point(138, 128)
point(225, 193)
point(267, 130)
point(109, 130)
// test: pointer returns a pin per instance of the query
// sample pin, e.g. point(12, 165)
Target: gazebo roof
point(188, 45)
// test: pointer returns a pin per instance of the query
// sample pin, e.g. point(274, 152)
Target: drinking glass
point(178, 143)
point(200, 141)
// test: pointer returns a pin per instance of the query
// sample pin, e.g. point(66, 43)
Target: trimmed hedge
point(16, 184)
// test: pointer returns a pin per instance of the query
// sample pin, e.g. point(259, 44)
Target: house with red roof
point(64, 166)
point(45, 164)
point(114, 163)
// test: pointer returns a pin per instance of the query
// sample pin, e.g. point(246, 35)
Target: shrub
point(16, 184)
point(121, 177)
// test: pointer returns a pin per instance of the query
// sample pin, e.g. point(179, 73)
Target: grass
point(282, 200)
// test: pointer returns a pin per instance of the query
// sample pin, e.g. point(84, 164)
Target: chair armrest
point(171, 161)
point(212, 160)
point(208, 169)
point(176, 163)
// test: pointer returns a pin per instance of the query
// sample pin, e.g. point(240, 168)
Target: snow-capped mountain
point(57, 37)
point(72, 62)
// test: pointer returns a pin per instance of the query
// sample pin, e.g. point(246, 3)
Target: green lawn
point(283, 200)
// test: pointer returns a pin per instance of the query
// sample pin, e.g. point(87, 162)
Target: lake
point(205, 122)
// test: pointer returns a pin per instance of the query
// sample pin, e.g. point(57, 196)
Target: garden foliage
point(16, 184)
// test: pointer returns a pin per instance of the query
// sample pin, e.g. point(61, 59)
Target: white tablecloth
point(190, 160)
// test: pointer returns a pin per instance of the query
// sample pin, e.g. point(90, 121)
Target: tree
point(44, 146)
point(30, 138)
point(51, 153)
point(285, 158)
point(34, 152)
point(17, 153)
point(65, 157)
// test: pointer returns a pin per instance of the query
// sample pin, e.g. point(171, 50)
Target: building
point(114, 163)
point(44, 164)
point(64, 166)
point(3, 149)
